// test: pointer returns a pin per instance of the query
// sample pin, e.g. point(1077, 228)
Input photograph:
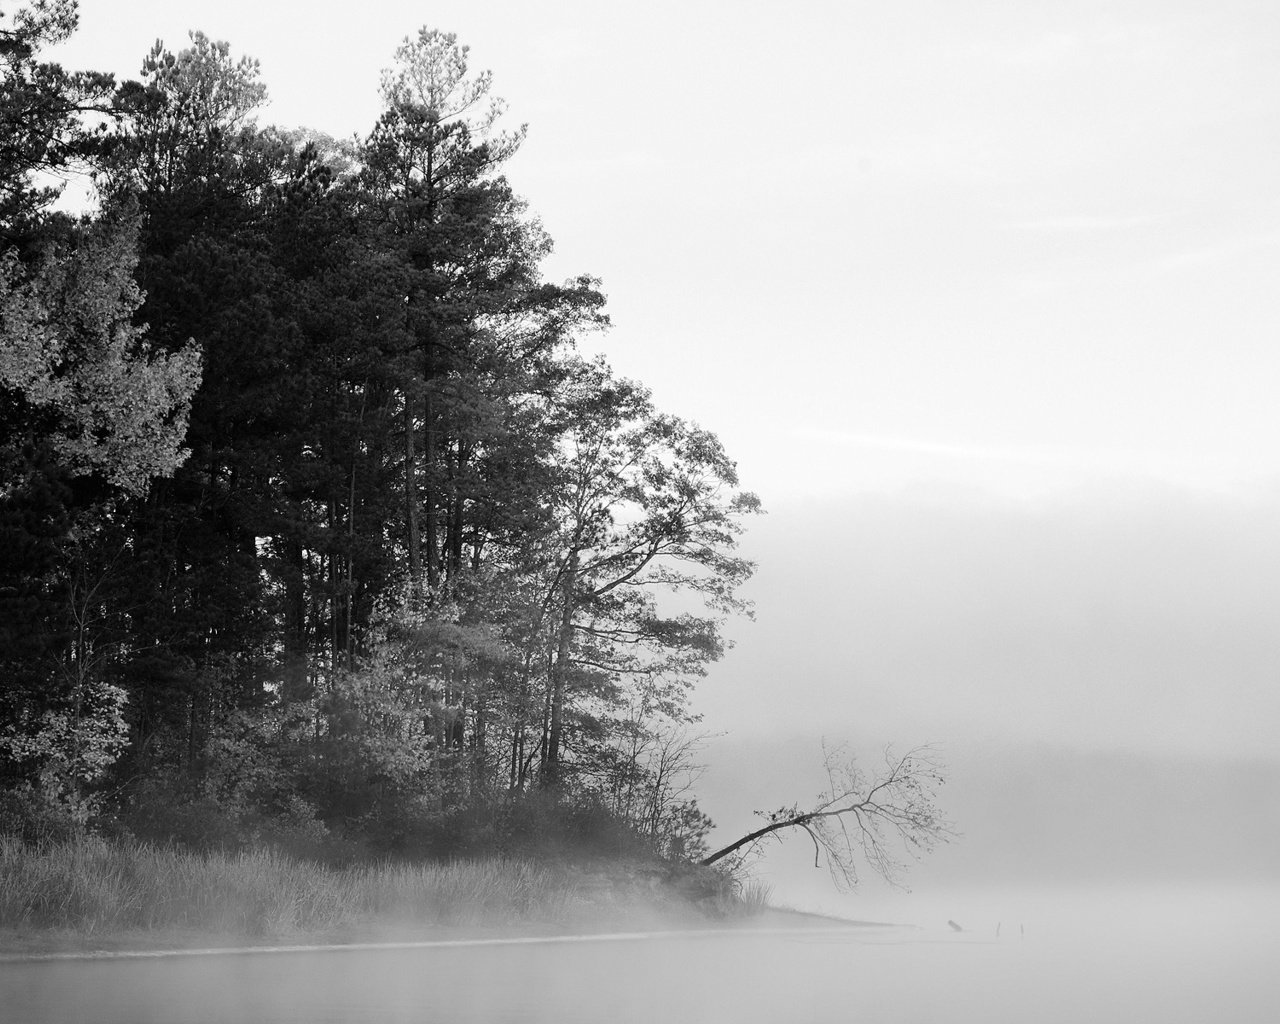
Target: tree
point(91, 416)
point(646, 777)
point(90, 386)
point(95, 406)
point(860, 818)
point(187, 147)
point(91, 413)
point(644, 503)
point(63, 717)
point(430, 171)
point(46, 114)
point(419, 554)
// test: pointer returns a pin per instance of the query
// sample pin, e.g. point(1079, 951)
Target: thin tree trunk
point(455, 517)
point(334, 588)
point(351, 536)
point(295, 623)
point(551, 773)
point(521, 730)
point(430, 526)
point(515, 780)
point(411, 493)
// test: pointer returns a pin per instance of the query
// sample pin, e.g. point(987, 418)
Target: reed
point(754, 896)
point(98, 885)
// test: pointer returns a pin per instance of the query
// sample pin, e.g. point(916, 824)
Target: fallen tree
point(861, 818)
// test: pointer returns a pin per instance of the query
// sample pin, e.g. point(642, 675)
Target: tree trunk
point(455, 512)
point(295, 624)
point(799, 821)
point(430, 527)
point(551, 773)
point(411, 492)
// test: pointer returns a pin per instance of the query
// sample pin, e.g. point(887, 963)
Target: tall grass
point(96, 885)
point(754, 897)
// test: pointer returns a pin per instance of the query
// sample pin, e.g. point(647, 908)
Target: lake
point(1098, 956)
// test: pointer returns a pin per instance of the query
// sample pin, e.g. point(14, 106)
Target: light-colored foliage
point(430, 74)
point(72, 744)
point(70, 349)
point(441, 120)
point(194, 119)
point(644, 505)
point(65, 749)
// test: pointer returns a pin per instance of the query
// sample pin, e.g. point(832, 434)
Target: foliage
point(90, 415)
point(72, 358)
point(316, 530)
point(47, 115)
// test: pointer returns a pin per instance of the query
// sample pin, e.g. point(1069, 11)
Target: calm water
point(1102, 957)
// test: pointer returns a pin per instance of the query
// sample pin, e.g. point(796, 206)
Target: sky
point(981, 297)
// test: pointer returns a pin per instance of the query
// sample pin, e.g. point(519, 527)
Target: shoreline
point(772, 921)
point(47, 945)
point(831, 919)
point(99, 899)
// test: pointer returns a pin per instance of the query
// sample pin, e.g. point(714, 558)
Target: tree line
point(315, 523)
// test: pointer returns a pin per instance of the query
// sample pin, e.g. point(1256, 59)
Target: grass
point(96, 886)
point(68, 893)
point(754, 897)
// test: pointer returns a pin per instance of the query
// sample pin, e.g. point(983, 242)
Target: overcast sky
point(1012, 244)
point(982, 296)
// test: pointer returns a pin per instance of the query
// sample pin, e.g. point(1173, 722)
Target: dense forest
point(316, 527)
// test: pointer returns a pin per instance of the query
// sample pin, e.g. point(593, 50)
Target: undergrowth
point(99, 885)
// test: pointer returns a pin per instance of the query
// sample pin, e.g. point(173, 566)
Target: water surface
point(1098, 960)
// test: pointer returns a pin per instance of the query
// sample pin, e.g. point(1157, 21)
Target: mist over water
point(1124, 954)
point(1084, 913)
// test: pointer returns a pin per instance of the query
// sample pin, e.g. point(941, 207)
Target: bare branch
point(855, 820)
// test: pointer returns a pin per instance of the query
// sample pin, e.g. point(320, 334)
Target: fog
point(1213, 959)
point(1096, 669)
point(1024, 269)
point(1114, 616)
point(1028, 815)
point(1095, 665)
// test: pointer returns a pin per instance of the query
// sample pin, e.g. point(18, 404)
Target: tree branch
point(899, 801)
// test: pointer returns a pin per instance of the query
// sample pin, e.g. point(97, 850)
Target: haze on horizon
point(981, 298)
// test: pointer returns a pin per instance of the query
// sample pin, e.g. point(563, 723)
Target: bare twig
point(859, 819)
